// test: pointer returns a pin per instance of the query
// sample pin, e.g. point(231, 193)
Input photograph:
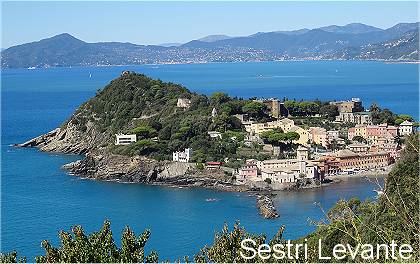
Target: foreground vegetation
point(395, 216)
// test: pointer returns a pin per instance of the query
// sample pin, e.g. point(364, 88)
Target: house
point(249, 170)
point(215, 134)
point(122, 139)
point(183, 103)
point(213, 165)
point(318, 135)
point(405, 128)
point(182, 156)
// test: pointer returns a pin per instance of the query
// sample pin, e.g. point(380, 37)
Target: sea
point(38, 199)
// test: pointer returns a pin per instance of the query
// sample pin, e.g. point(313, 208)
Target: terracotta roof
point(345, 153)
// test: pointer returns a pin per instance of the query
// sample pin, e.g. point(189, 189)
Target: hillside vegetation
point(137, 104)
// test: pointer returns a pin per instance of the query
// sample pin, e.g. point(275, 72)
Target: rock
point(266, 207)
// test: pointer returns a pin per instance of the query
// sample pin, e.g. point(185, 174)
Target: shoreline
point(214, 62)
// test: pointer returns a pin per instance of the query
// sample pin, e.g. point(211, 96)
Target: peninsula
point(141, 130)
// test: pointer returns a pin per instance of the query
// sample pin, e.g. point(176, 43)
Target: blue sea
point(38, 198)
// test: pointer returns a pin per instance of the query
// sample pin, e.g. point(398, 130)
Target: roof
point(294, 129)
point(286, 120)
point(302, 148)
point(363, 113)
point(357, 145)
point(345, 153)
point(213, 163)
point(406, 123)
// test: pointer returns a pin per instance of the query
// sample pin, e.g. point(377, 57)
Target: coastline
point(215, 62)
point(377, 173)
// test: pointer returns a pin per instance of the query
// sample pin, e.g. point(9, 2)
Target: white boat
point(31, 68)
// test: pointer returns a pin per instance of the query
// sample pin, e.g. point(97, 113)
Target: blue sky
point(161, 22)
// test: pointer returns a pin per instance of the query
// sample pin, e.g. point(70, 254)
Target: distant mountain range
point(350, 42)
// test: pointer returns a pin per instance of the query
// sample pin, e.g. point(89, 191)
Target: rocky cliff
point(69, 139)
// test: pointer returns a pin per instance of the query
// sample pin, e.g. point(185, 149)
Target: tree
point(144, 132)
point(254, 109)
point(330, 111)
point(98, 247)
point(359, 139)
point(218, 98)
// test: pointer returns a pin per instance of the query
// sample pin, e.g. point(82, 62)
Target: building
point(213, 112)
point(122, 139)
point(182, 156)
point(213, 165)
point(285, 124)
point(288, 170)
point(405, 128)
point(361, 118)
point(333, 135)
point(372, 133)
point(303, 135)
point(352, 106)
point(350, 160)
point(318, 135)
point(248, 171)
point(183, 103)
point(215, 134)
point(328, 166)
point(358, 147)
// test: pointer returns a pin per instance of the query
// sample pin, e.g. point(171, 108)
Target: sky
point(180, 22)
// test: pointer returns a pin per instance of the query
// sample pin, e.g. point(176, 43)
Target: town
point(360, 147)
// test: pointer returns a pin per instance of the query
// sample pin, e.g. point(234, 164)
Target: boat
point(212, 200)
point(31, 68)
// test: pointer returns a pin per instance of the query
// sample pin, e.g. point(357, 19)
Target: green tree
point(98, 247)
point(254, 109)
point(218, 98)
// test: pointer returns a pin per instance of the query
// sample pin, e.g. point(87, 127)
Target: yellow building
point(303, 135)
point(285, 124)
point(361, 131)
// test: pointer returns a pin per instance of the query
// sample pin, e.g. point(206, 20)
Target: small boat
point(31, 68)
point(212, 200)
point(90, 75)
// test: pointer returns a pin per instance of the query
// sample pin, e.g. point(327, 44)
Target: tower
point(302, 157)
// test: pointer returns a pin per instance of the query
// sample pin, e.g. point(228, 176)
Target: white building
point(122, 139)
point(288, 170)
point(182, 156)
point(405, 128)
point(213, 112)
point(215, 134)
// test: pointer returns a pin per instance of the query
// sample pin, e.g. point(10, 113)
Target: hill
point(403, 48)
point(332, 42)
point(137, 104)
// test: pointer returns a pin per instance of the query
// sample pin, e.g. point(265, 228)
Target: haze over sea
point(38, 198)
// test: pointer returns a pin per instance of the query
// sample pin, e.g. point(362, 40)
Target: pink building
point(248, 170)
